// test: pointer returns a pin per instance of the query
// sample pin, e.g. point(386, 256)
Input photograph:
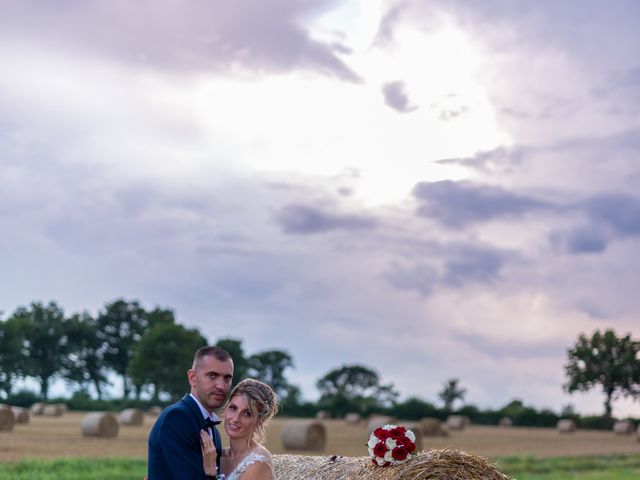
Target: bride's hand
point(209, 454)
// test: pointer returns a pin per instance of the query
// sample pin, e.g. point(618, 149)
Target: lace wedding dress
point(250, 458)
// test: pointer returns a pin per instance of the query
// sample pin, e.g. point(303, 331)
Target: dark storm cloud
point(456, 266)
point(395, 96)
point(302, 219)
point(188, 34)
point(458, 204)
point(585, 239)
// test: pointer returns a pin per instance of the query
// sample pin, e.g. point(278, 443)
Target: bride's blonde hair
point(261, 400)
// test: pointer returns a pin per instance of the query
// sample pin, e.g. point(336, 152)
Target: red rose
point(381, 433)
point(399, 453)
point(397, 433)
point(380, 449)
point(410, 446)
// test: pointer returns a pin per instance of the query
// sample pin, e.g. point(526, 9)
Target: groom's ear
point(191, 376)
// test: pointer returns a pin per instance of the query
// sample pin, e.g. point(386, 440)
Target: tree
point(269, 367)
point(354, 388)
point(240, 361)
point(163, 356)
point(121, 325)
point(85, 362)
point(604, 360)
point(450, 393)
point(45, 338)
point(11, 355)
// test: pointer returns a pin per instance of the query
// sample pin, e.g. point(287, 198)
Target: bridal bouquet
point(391, 445)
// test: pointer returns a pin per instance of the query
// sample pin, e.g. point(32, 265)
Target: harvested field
point(52, 437)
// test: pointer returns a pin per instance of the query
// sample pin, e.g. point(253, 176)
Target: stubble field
point(58, 437)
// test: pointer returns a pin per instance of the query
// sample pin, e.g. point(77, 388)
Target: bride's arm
point(209, 454)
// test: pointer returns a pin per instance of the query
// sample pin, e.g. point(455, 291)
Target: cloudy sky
point(434, 189)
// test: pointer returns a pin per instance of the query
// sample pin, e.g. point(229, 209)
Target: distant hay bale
point(353, 418)
point(432, 427)
point(53, 410)
point(566, 425)
point(131, 416)
point(457, 422)
point(376, 421)
point(432, 465)
point(155, 410)
point(21, 414)
point(505, 422)
point(322, 415)
point(37, 408)
point(623, 427)
point(304, 435)
point(7, 419)
point(99, 424)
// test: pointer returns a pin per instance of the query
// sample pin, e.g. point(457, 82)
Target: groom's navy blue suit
point(174, 443)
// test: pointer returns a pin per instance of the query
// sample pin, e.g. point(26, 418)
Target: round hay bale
point(505, 422)
point(623, 427)
point(21, 414)
point(131, 416)
point(154, 411)
point(304, 435)
point(352, 418)
point(457, 422)
point(431, 464)
point(37, 408)
point(99, 424)
point(322, 415)
point(432, 427)
point(53, 410)
point(7, 419)
point(379, 421)
point(566, 425)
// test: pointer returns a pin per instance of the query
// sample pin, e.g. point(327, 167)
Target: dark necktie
point(210, 423)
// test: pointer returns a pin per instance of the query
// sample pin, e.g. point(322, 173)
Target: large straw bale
point(505, 422)
point(304, 435)
point(155, 410)
point(7, 419)
point(37, 408)
point(432, 465)
point(566, 425)
point(21, 414)
point(623, 427)
point(323, 415)
point(53, 410)
point(99, 424)
point(353, 418)
point(376, 421)
point(131, 416)
point(433, 427)
point(457, 422)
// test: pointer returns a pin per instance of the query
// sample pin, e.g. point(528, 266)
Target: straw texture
point(99, 424)
point(433, 465)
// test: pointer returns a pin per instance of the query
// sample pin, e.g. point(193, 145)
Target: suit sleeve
point(181, 447)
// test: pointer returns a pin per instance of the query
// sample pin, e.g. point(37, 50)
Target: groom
point(174, 441)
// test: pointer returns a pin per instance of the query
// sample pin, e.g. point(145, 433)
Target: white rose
point(373, 440)
point(390, 443)
point(411, 436)
point(388, 457)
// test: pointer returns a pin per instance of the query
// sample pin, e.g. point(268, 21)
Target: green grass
point(75, 469)
point(606, 467)
point(610, 467)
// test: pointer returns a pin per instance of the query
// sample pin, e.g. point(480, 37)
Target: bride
point(251, 404)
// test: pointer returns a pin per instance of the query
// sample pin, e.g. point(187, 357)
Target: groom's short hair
point(211, 351)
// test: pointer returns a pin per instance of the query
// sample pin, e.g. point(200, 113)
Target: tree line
point(150, 352)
